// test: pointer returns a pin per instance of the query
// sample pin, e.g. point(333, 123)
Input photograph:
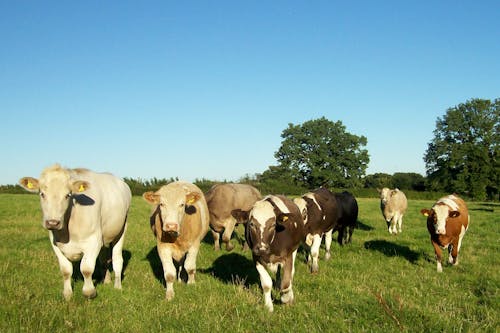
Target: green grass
point(379, 283)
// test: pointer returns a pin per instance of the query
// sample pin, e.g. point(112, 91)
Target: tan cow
point(393, 204)
point(447, 222)
point(179, 221)
point(222, 199)
point(83, 212)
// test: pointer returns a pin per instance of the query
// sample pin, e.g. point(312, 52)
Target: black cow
point(324, 213)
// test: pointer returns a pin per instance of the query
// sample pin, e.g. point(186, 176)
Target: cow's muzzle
point(440, 231)
point(53, 224)
point(171, 228)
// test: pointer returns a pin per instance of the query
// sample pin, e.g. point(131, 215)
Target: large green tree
point(322, 153)
point(463, 155)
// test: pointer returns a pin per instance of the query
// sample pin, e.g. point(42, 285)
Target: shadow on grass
point(234, 268)
point(365, 227)
point(157, 268)
point(390, 249)
point(100, 271)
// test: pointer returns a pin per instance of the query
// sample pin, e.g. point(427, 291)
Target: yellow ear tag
point(426, 214)
point(81, 188)
point(191, 201)
point(285, 218)
point(30, 185)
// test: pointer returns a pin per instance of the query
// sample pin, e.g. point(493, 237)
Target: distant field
point(379, 283)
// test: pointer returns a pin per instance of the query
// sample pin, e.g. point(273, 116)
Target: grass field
point(379, 283)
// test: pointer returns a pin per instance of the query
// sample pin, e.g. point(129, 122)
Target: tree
point(321, 152)
point(463, 155)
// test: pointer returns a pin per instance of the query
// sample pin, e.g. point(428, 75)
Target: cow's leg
point(400, 222)
point(105, 260)
point(230, 223)
point(66, 268)
point(169, 271)
point(190, 263)
point(287, 279)
point(351, 230)
point(459, 244)
point(315, 253)
point(438, 252)
point(87, 266)
point(216, 237)
point(117, 260)
point(266, 283)
point(328, 244)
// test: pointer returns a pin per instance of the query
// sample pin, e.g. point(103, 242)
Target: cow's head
point(438, 216)
point(263, 223)
point(56, 189)
point(173, 203)
point(385, 194)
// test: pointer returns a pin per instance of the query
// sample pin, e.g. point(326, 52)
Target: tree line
point(462, 158)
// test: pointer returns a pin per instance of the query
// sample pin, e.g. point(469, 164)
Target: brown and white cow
point(179, 221)
point(83, 212)
point(447, 222)
point(393, 204)
point(274, 231)
point(320, 212)
point(222, 199)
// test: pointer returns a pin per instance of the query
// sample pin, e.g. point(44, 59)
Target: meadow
point(379, 283)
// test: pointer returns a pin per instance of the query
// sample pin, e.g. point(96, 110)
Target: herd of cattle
point(86, 212)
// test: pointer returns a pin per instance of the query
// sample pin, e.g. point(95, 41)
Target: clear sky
point(204, 89)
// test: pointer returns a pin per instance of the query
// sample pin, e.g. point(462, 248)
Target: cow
point(348, 216)
point(179, 222)
point(447, 222)
point(393, 205)
point(274, 231)
point(222, 199)
point(83, 211)
point(324, 213)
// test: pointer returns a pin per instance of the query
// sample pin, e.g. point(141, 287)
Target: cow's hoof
point(90, 294)
point(169, 295)
point(229, 246)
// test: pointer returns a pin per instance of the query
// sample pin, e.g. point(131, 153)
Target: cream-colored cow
point(179, 222)
point(83, 211)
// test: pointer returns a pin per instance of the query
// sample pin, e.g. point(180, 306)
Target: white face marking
point(441, 212)
point(261, 212)
point(278, 202)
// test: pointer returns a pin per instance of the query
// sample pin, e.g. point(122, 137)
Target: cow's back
point(222, 199)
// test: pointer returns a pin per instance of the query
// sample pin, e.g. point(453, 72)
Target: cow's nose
point(52, 224)
point(170, 227)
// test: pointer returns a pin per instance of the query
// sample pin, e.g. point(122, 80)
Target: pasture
point(379, 283)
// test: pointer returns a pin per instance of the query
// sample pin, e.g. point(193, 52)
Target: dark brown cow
point(320, 214)
point(222, 199)
point(447, 222)
point(274, 231)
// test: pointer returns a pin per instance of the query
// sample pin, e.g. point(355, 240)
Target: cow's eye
point(68, 195)
point(42, 195)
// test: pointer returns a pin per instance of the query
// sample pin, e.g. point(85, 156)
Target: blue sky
point(204, 89)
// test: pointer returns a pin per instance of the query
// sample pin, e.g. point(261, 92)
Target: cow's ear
point(151, 197)
point(29, 184)
point(192, 197)
point(454, 213)
point(79, 186)
point(240, 215)
point(425, 212)
point(379, 190)
point(281, 219)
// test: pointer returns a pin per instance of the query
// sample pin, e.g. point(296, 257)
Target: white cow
point(83, 212)
point(393, 204)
